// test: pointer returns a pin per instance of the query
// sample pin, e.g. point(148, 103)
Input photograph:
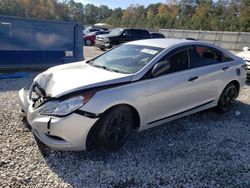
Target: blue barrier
point(38, 43)
point(13, 75)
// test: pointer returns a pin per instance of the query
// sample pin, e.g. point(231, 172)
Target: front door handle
point(225, 68)
point(193, 78)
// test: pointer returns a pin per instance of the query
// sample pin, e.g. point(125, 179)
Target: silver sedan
point(99, 103)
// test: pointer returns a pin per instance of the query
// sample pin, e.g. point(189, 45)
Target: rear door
point(211, 68)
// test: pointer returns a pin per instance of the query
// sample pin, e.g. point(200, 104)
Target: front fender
point(132, 94)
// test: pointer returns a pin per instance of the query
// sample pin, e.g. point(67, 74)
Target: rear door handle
point(225, 68)
point(193, 78)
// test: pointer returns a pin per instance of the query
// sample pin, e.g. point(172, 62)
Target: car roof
point(156, 33)
point(162, 43)
point(131, 28)
point(170, 42)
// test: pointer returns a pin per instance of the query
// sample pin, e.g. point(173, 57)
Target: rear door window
point(204, 55)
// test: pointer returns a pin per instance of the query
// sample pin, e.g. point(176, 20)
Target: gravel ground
point(206, 149)
point(91, 51)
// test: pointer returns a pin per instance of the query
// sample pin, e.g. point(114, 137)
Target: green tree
point(90, 14)
point(202, 16)
point(244, 15)
point(228, 15)
point(116, 18)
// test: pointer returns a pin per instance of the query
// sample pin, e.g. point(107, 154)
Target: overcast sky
point(119, 3)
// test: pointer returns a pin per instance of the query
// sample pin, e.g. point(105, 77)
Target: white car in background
point(246, 57)
point(133, 87)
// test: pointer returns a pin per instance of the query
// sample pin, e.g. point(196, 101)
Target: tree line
point(220, 15)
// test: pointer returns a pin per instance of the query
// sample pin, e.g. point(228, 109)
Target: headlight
point(65, 107)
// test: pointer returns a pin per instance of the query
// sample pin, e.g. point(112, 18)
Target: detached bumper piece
point(24, 102)
point(68, 133)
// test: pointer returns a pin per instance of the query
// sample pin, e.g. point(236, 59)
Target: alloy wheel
point(88, 42)
point(118, 130)
point(229, 96)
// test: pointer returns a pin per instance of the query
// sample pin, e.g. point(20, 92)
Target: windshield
point(116, 32)
point(127, 58)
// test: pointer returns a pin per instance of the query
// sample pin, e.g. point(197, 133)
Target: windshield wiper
point(89, 62)
point(107, 68)
point(102, 66)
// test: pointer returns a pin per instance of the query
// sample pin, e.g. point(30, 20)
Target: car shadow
point(193, 140)
point(26, 124)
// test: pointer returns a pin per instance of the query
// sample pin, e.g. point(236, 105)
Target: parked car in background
point(119, 36)
point(136, 86)
point(246, 57)
point(90, 38)
point(93, 29)
point(156, 35)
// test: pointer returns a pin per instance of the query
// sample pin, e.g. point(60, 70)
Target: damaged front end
point(36, 95)
point(52, 120)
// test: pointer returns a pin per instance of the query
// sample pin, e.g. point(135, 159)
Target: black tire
point(115, 128)
point(88, 43)
point(114, 44)
point(102, 48)
point(227, 98)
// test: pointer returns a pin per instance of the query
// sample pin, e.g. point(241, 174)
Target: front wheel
point(114, 44)
point(115, 128)
point(227, 98)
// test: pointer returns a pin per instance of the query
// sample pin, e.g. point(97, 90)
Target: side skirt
point(199, 108)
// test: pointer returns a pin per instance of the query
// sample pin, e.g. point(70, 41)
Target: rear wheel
point(115, 128)
point(88, 42)
point(227, 98)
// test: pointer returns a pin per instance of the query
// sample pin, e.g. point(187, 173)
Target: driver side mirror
point(125, 34)
point(160, 68)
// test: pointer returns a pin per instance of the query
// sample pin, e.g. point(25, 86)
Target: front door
point(170, 93)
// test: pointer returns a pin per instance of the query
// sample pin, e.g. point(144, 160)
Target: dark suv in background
point(118, 36)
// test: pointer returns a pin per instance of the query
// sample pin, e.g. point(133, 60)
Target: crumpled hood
point(64, 79)
point(244, 55)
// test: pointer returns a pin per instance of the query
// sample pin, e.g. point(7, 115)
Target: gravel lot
point(206, 149)
point(90, 52)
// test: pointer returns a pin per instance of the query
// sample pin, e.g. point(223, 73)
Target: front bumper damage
point(66, 133)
